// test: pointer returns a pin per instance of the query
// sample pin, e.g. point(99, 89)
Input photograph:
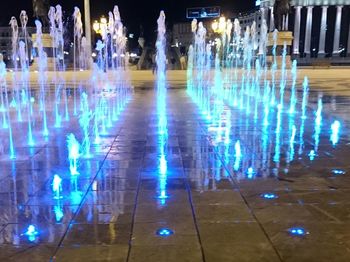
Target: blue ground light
point(250, 173)
point(297, 231)
point(269, 196)
point(164, 232)
point(338, 172)
point(31, 233)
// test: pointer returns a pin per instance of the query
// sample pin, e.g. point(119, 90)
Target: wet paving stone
point(182, 179)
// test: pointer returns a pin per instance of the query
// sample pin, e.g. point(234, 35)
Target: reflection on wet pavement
point(166, 185)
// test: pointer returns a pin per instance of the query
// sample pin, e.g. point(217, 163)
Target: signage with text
point(203, 12)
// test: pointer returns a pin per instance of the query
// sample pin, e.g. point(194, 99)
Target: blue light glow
point(162, 111)
point(297, 231)
point(164, 232)
point(269, 196)
point(250, 173)
point(335, 132)
point(291, 143)
point(57, 186)
point(312, 155)
point(73, 154)
point(338, 172)
point(163, 166)
point(238, 151)
point(58, 212)
point(163, 195)
point(31, 233)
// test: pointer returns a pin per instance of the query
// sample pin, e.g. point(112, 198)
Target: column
point(272, 21)
point(307, 44)
point(348, 51)
point(87, 21)
point(296, 34)
point(337, 31)
point(323, 30)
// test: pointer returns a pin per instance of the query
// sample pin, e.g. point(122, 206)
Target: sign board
point(203, 12)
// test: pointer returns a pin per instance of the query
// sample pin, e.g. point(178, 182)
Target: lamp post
point(101, 28)
point(87, 26)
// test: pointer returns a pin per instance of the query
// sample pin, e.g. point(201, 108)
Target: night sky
point(134, 13)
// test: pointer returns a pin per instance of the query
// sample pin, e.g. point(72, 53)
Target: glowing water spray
point(335, 132)
point(73, 154)
point(305, 97)
point(57, 186)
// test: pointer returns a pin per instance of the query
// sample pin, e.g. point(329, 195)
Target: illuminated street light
point(221, 25)
point(103, 20)
point(215, 26)
point(96, 26)
point(100, 26)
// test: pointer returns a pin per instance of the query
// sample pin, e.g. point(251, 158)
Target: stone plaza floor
point(181, 195)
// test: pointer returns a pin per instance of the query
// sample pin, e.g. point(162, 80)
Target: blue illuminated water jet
point(57, 186)
point(250, 173)
point(73, 154)
point(161, 109)
point(335, 132)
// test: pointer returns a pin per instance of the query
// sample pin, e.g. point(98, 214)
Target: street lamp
point(100, 26)
point(103, 20)
point(219, 26)
point(87, 26)
point(96, 26)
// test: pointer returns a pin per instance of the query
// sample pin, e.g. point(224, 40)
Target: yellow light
point(103, 20)
point(96, 26)
point(222, 24)
point(215, 25)
point(222, 20)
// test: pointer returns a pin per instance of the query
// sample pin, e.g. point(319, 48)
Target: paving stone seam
point(242, 196)
point(53, 257)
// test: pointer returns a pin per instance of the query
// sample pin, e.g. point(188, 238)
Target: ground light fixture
point(31, 233)
point(164, 232)
point(269, 196)
point(297, 231)
point(338, 172)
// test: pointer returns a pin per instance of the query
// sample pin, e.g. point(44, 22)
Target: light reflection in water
point(238, 156)
point(276, 157)
point(57, 186)
point(318, 122)
point(58, 210)
point(335, 128)
point(291, 143)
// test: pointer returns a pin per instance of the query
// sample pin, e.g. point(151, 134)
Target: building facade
point(246, 19)
point(321, 28)
point(183, 35)
point(6, 41)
